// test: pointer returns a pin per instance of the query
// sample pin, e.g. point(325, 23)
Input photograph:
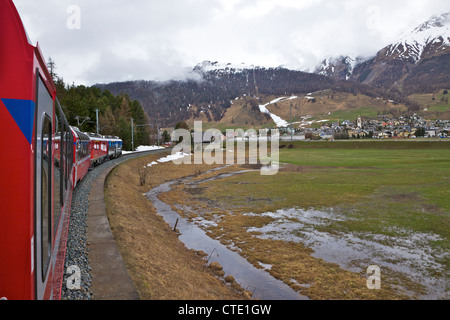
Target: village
point(382, 127)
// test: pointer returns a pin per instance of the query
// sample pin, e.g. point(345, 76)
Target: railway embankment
point(79, 243)
point(124, 249)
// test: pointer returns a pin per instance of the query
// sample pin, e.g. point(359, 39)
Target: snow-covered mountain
point(427, 39)
point(419, 56)
point(207, 66)
point(418, 62)
point(340, 67)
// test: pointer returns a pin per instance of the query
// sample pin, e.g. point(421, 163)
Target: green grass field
point(384, 185)
point(402, 183)
point(388, 200)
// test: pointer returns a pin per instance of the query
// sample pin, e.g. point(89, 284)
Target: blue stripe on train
point(22, 112)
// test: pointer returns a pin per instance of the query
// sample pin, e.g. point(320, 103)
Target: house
point(430, 133)
point(384, 135)
point(327, 134)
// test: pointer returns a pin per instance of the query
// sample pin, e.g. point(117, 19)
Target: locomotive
point(42, 159)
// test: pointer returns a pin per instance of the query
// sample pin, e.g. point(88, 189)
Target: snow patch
point(143, 148)
point(278, 120)
point(207, 66)
point(178, 155)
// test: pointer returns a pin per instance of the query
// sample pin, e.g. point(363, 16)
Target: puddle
point(260, 282)
point(409, 253)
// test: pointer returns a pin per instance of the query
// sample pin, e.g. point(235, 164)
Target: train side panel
point(41, 160)
point(35, 194)
point(16, 212)
point(17, 112)
point(81, 155)
point(99, 150)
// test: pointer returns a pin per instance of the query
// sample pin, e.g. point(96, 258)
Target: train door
point(43, 187)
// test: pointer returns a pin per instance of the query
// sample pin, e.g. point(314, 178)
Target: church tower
point(359, 122)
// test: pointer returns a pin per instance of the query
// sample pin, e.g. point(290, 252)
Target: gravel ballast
point(77, 243)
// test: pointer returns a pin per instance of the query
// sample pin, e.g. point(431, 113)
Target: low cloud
point(156, 40)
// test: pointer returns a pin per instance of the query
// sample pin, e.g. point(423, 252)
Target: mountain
point(340, 67)
point(213, 89)
point(208, 66)
point(428, 39)
point(418, 62)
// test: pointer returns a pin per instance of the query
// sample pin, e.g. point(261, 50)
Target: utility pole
point(132, 135)
point(157, 132)
point(290, 106)
point(96, 112)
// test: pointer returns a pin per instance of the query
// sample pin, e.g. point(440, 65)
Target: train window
point(78, 150)
point(46, 189)
point(59, 168)
point(44, 162)
point(83, 148)
point(68, 141)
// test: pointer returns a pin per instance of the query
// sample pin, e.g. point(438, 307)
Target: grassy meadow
point(392, 195)
point(332, 210)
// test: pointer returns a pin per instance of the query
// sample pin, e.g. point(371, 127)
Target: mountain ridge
point(417, 63)
point(402, 65)
point(210, 97)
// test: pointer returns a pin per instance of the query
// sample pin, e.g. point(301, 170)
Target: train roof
point(78, 134)
point(93, 136)
point(113, 138)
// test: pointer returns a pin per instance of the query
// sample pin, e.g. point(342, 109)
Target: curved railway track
point(90, 244)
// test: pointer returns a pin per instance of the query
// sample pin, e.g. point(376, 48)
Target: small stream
point(260, 282)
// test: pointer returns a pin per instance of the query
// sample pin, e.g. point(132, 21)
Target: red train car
point(81, 155)
point(99, 149)
point(35, 193)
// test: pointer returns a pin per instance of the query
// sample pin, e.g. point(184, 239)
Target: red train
point(42, 159)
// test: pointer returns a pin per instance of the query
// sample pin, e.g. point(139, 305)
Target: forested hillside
point(170, 102)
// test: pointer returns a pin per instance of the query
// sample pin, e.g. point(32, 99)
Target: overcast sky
point(100, 41)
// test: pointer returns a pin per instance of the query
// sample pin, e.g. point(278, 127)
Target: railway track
point(81, 243)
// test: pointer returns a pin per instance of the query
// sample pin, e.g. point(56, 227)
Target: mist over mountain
point(417, 62)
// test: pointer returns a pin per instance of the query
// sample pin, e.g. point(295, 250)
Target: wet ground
point(258, 281)
point(407, 255)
